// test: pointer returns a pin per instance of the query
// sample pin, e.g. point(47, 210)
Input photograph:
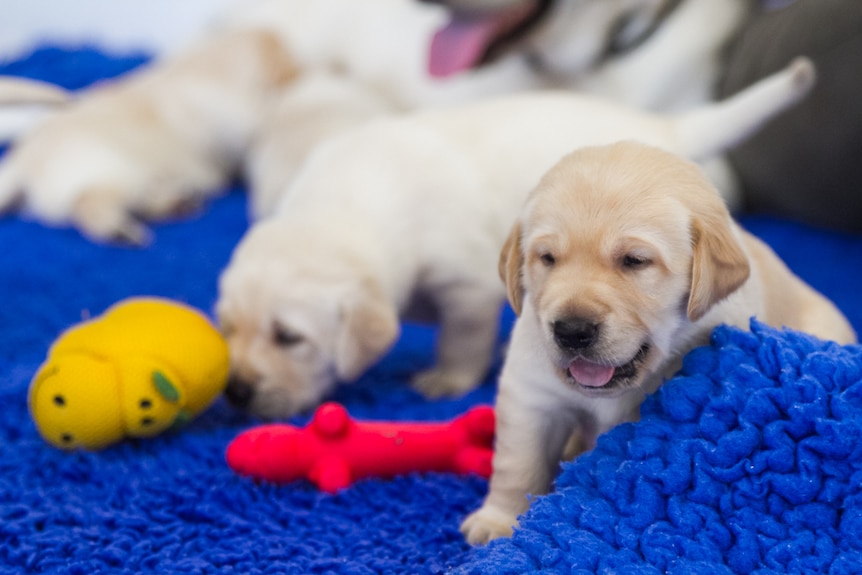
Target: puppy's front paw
point(104, 217)
point(127, 231)
point(486, 524)
point(437, 383)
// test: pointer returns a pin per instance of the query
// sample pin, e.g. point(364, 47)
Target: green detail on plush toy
point(165, 387)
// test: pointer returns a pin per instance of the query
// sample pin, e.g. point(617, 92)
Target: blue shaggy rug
point(747, 462)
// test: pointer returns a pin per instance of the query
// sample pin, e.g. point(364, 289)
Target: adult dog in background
point(624, 258)
point(658, 55)
point(671, 54)
point(416, 209)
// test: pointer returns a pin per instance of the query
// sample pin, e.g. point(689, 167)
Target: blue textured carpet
point(748, 463)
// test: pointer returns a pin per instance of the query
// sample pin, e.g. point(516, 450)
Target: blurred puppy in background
point(623, 259)
point(163, 138)
point(410, 213)
point(148, 146)
point(315, 107)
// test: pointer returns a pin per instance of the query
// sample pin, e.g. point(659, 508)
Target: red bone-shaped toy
point(334, 450)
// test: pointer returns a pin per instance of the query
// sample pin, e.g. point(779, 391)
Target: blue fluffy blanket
point(748, 461)
point(745, 463)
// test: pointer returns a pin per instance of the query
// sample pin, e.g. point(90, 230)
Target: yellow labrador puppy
point(150, 144)
point(623, 259)
point(405, 212)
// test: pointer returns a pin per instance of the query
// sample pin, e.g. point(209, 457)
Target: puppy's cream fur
point(314, 107)
point(414, 210)
point(636, 242)
point(149, 145)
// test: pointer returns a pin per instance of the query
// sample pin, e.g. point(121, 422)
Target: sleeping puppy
point(148, 146)
point(623, 259)
point(407, 214)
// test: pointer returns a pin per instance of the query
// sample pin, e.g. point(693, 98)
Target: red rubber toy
point(334, 450)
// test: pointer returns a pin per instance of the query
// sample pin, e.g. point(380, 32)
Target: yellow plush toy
point(143, 366)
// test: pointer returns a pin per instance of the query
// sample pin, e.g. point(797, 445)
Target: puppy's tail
point(14, 90)
point(24, 103)
point(714, 128)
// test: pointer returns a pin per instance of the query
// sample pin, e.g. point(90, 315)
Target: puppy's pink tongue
point(590, 374)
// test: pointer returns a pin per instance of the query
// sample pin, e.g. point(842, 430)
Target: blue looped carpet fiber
point(748, 462)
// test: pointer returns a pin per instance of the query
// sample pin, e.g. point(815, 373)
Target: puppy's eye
point(633, 262)
point(547, 259)
point(284, 337)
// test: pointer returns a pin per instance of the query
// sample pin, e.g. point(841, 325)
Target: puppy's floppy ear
point(719, 266)
point(369, 326)
point(510, 267)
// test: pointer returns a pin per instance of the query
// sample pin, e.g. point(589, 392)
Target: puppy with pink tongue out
point(590, 374)
point(623, 259)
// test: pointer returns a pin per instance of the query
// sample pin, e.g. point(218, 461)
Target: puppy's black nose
point(238, 392)
point(575, 333)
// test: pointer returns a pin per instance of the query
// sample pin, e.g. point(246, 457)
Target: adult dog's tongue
point(463, 42)
point(460, 45)
point(590, 374)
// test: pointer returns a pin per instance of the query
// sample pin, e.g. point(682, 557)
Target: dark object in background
point(807, 164)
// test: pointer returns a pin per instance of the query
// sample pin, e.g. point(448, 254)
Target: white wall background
point(155, 26)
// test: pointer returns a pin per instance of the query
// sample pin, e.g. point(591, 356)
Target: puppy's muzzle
point(574, 334)
point(239, 392)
